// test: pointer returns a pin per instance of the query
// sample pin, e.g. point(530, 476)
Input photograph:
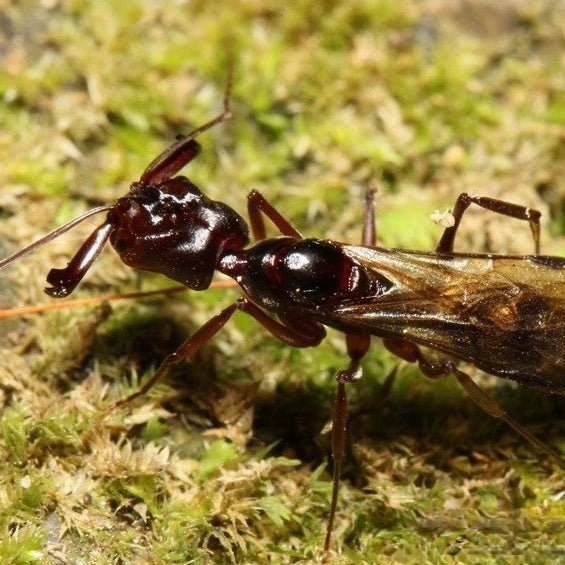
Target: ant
point(503, 314)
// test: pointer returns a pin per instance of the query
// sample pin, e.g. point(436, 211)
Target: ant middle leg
point(357, 347)
point(463, 202)
point(369, 237)
point(258, 206)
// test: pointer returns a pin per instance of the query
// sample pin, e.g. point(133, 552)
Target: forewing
point(504, 314)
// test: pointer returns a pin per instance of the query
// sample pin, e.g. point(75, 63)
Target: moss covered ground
point(225, 462)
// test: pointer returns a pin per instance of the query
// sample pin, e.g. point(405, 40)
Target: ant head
point(165, 224)
point(169, 228)
point(174, 229)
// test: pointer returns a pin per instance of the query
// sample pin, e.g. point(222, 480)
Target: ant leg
point(292, 332)
point(491, 407)
point(411, 352)
point(464, 200)
point(287, 334)
point(300, 333)
point(357, 346)
point(185, 352)
point(369, 238)
point(257, 204)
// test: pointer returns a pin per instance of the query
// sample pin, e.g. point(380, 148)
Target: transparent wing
point(504, 314)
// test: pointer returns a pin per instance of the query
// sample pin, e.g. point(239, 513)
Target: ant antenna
point(223, 117)
point(185, 148)
point(167, 163)
point(52, 235)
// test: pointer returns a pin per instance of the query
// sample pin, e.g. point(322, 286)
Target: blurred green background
point(225, 462)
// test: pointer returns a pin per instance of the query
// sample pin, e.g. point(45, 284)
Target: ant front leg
point(305, 336)
point(185, 352)
point(257, 205)
point(293, 332)
point(463, 202)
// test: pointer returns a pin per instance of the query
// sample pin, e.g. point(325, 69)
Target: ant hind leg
point(411, 352)
point(463, 202)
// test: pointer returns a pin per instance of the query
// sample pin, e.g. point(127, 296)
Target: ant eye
point(120, 245)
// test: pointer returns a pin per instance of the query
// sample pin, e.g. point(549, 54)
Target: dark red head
point(170, 228)
point(165, 225)
point(175, 230)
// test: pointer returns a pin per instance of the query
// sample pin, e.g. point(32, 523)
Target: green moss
point(217, 455)
point(425, 100)
point(22, 547)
